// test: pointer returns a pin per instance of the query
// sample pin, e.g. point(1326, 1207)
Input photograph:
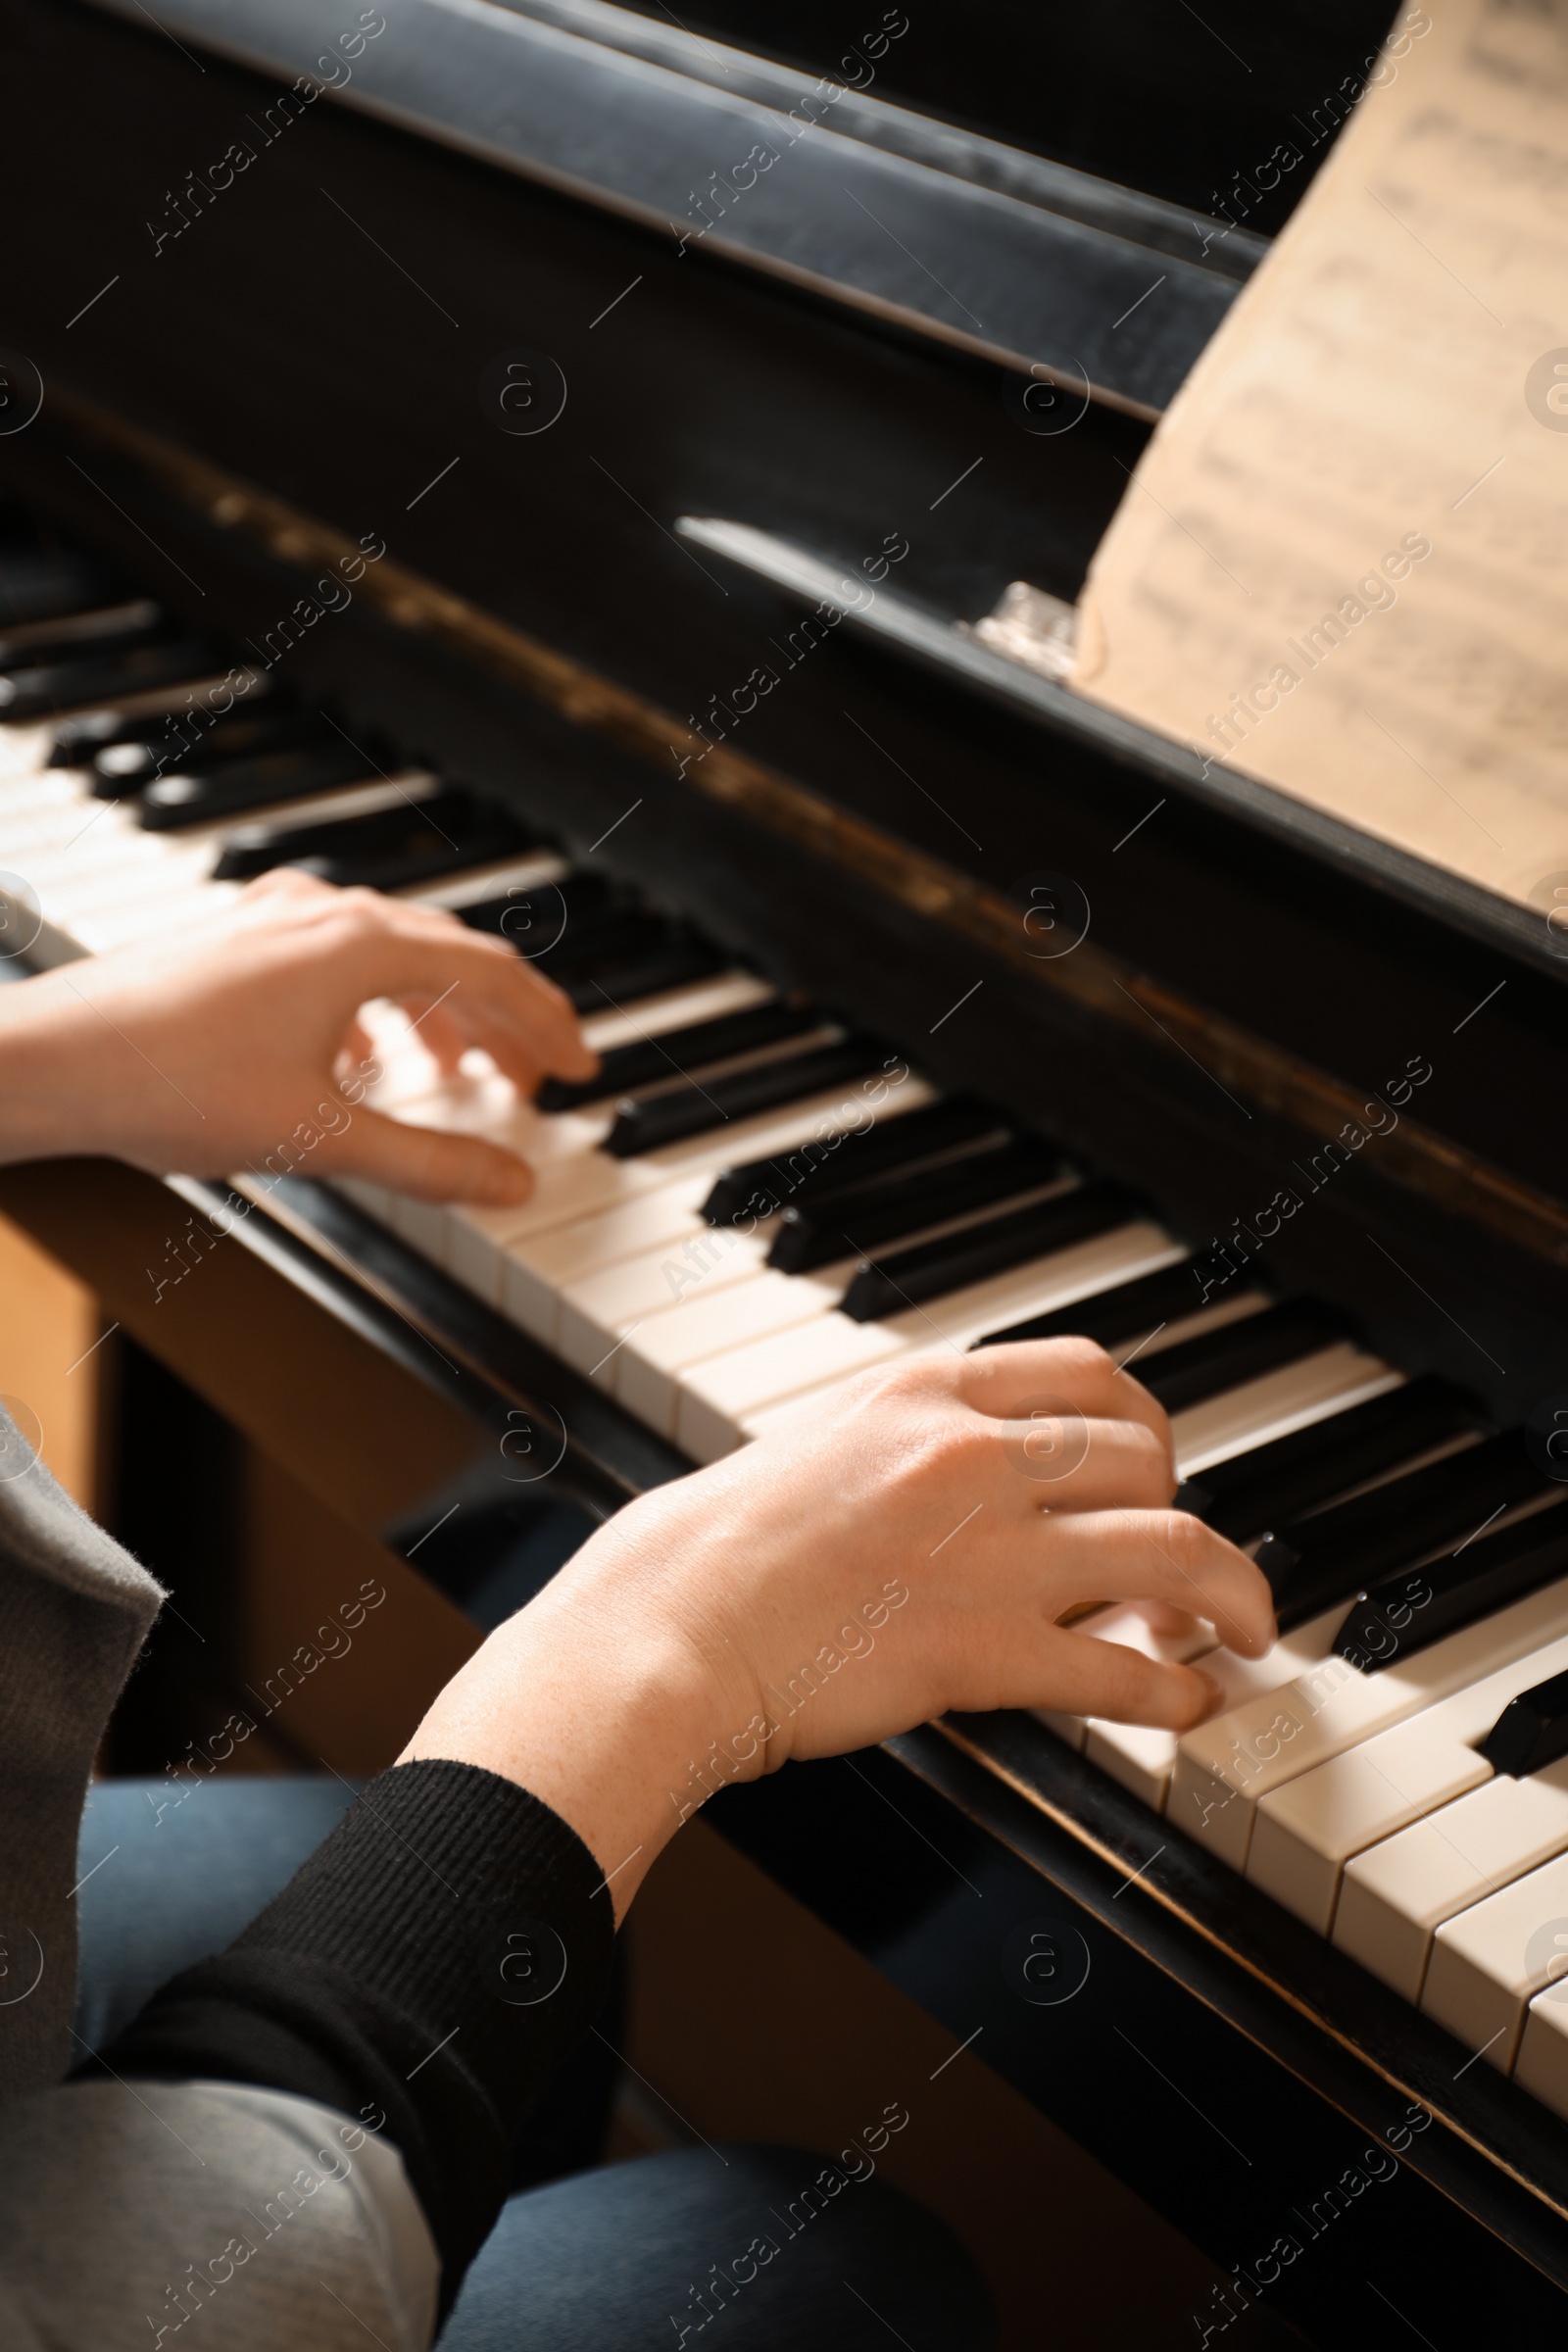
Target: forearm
point(47, 1074)
point(428, 1967)
point(592, 1699)
point(445, 1947)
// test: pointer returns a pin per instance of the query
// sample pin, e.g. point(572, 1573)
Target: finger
point(1086, 1677)
point(287, 882)
point(1005, 1381)
point(522, 1049)
point(444, 1039)
point(428, 1163)
point(1067, 1463)
point(1166, 1556)
point(518, 1056)
point(357, 1048)
point(522, 1019)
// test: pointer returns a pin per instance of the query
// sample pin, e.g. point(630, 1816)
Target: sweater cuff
point(425, 1971)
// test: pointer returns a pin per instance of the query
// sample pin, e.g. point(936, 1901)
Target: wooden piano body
point(303, 359)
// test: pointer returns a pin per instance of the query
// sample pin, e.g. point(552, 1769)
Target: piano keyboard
point(756, 1202)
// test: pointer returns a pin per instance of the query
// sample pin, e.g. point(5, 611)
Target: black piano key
point(206, 796)
point(1322, 1559)
point(76, 740)
point(649, 1121)
point(75, 634)
point(572, 927)
point(672, 963)
point(437, 833)
point(930, 1269)
point(539, 917)
point(45, 583)
point(1406, 1613)
point(1223, 1358)
point(1532, 1732)
point(123, 756)
point(904, 1200)
point(853, 1156)
point(644, 1060)
point(1256, 1490)
point(603, 950)
point(616, 933)
point(1123, 1312)
point(180, 732)
point(252, 850)
point(37, 692)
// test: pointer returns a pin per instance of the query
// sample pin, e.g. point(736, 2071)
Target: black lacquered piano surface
point(302, 597)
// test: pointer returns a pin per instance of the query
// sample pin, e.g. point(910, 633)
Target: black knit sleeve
point(432, 1961)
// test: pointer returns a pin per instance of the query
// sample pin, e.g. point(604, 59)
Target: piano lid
point(814, 179)
point(1091, 294)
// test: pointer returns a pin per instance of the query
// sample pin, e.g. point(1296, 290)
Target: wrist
point(41, 1080)
point(598, 1709)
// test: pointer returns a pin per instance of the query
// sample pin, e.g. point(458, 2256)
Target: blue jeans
point(648, 2254)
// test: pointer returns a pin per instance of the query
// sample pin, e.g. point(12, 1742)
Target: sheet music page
point(1340, 564)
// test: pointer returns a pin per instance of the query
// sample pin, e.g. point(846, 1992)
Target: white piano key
point(478, 884)
point(1307, 1831)
point(570, 1176)
point(697, 1263)
point(951, 1323)
point(956, 1320)
point(717, 1395)
point(1231, 1762)
point(70, 834)
point(656, 1367)
point(112, 867)
point(960, 1317)
point(373, 1199)
point(1542, 2066)
point(838, 1112)
point(954, 1323)
point(1359, 1391)
point(423, 1224)
point(1126, 1625)
point(1489, 1962)
point(678, 1008)
point(1144, 1759)
point(41, 811)
point(1264, 1409)
point(151, 918)
point(1141, 1756)
point(541, 1268)
point(1395, 1896)
point(23, 750)
point(604, 1181)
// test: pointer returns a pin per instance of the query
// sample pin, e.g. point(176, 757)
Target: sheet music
point(1340, 565)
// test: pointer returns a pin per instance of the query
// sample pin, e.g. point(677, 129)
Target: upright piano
point(629, 483)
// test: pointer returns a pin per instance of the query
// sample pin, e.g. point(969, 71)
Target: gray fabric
point(270, 2223)
point(112, 2194)
point(74, 1610)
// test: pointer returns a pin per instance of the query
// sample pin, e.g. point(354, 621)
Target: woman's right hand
point(910, 1550)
